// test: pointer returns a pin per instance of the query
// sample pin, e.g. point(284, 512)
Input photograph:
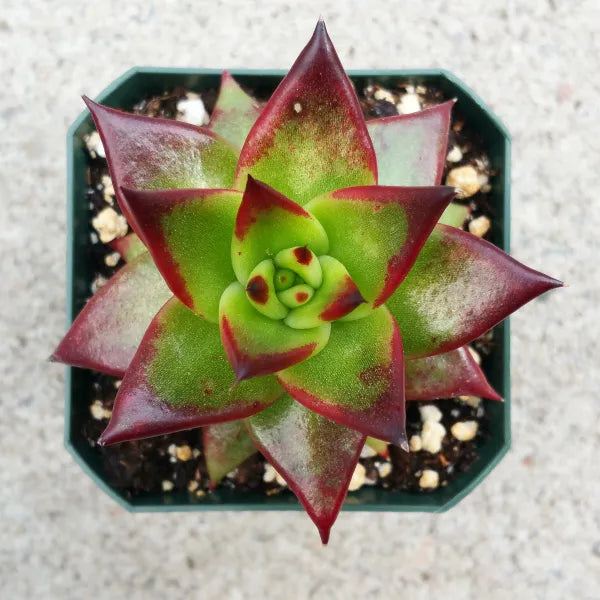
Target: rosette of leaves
point(289, 286)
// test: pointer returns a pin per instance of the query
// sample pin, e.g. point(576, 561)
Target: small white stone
point(172, 449)
point(297, 107)
point(415, 443)
point(192, 485)
point(455, 155)
point(97, 410)
point(367, 452)
point(480, 226)
point(111, 260)
point(476, 356)
point(473, 401)
point(109, 224)
point(117, 383)
point(432, 435)
point(98, 282)
point(94, 145)
point(271, 475)
point(465, 179)
point(93, 237)
point(107, 413)
point(464, 430)
point(167, 485)
point(195, 453)
point(384, 469)
point(429, 479)
point(358, 478)
point(409, 103)
point(382, 94)
point(183, 453)
point(430, 413)
point(108, 190)
point(192, 110)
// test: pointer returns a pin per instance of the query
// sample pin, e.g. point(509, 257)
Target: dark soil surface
point(175, 462)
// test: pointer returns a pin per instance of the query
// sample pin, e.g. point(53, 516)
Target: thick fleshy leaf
point(296, 296)
point(234, 113)
point(311, 137)
point(148, 153)
point(268, 222)
point(188, 233)
point(314, 455)
point(261, 293)
point(337, 297)
point(128, 247)
point(226, 446)
point(453, 373)
point(284, 279)
point(379, 446)
point(110, 327)
point(303, 262)
point(411, 149)
point(358, 378)
point(455, 215)
point(459, 287)
point(376, 232)
point(257, 345)
point(180, 378)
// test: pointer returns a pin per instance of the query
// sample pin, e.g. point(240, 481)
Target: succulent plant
point(289, 286)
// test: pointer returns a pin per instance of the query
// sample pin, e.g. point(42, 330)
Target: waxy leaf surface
point(257, 345)
point(226, 446)
point(411, 149)
point(314, 455)
point(447, 375)
point(358, 378)
point(110, 327)
point(459, 287)
point(188, 233)
point(234, 113)
point(455, 215)
point(268, 222)
point(179, 379)
point(128, 247)
point(311, 137)
point(337, 297)
point(150, 153)
point(376, 232)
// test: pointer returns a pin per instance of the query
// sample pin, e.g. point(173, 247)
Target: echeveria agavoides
point(287, 287)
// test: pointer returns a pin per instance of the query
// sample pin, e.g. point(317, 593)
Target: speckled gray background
point(532, 530)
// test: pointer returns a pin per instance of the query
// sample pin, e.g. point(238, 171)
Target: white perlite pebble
point(183, 453)
point(384, 469)
point(191, 110)
point(432, 435)
point(97, 410)
point(109, 224)
point(430, 413)
point(108, 190)
point(111, 260)
point(465, 179)
point(271, 475)
point(429, 479)
point(167, 485)
point(480, 226)
point(464, 430)
point(409, 103)
point(367, 452)
point(94, 145)
point(455, 155)
point(415, 443)
point(473, 401)
point(382, 94)
point(358, 478)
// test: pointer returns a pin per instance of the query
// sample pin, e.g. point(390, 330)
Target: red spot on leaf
point(301, 297)
point(347, 300)
point(258, 290)
point(303, 255)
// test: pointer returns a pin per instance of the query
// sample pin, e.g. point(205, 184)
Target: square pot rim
point(281, 503)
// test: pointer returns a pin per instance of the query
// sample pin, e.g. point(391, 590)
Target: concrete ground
point(532, 530)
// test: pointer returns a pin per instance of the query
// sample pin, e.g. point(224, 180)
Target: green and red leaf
point(358, 378)
point(107, 332)
point(459, 287)
point(314, 455)
point(257, 345)
point(226, 446)
point(337, 297)
point(455, 215)
point(378, 231)
point(268, 222)
point(149, 153)
point(188, 233)
point(234, 113)
point(128, 247)
point(411, 149)
point(179, 379)
point(447, 375)
point(311, 137)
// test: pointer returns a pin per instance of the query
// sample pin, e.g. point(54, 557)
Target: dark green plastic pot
point(139, 83)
